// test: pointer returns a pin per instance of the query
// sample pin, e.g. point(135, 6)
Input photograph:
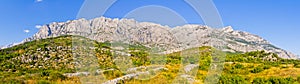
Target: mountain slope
point(150, 34)
point(57, 60)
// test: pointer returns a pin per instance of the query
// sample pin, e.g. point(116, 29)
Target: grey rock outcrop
point(151, 34)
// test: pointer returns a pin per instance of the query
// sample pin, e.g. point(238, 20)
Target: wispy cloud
point(26, 31)
point(38, 0)
point(38, 26)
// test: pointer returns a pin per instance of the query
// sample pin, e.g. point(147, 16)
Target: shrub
point(43, 82)
point(288, 80)
point(140, 58)
point(275, 80)
point(239, 66)
point(56, 76)
point(260, 81)
point(266, 67)
point(257, 70)
point(296, 65)
point(204, 62)
point(232, 80)
point(11, 81)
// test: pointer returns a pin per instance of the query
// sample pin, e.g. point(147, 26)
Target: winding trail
point(132, 75)
point(187, 69)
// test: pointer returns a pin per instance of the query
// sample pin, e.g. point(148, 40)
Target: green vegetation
point(46, 61)
point(140, 58)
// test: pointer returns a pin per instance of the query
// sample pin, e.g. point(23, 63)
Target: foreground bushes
point(274, 80)
point(233, 80)
point(241, 80)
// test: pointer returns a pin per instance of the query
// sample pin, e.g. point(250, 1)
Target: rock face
point(151, 34)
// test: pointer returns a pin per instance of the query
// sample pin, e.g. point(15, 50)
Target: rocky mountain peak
point(227, 29)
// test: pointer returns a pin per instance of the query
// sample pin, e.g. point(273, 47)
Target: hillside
point(65, 60)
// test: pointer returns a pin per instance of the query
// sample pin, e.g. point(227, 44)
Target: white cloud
point(38, 0)
point(26, 31)
point(38, 26)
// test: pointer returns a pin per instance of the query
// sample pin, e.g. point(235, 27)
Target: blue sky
point(275, 20)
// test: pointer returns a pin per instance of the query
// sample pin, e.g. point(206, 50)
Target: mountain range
point(149, 34)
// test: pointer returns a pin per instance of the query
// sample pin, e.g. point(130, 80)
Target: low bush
point(257, 69)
